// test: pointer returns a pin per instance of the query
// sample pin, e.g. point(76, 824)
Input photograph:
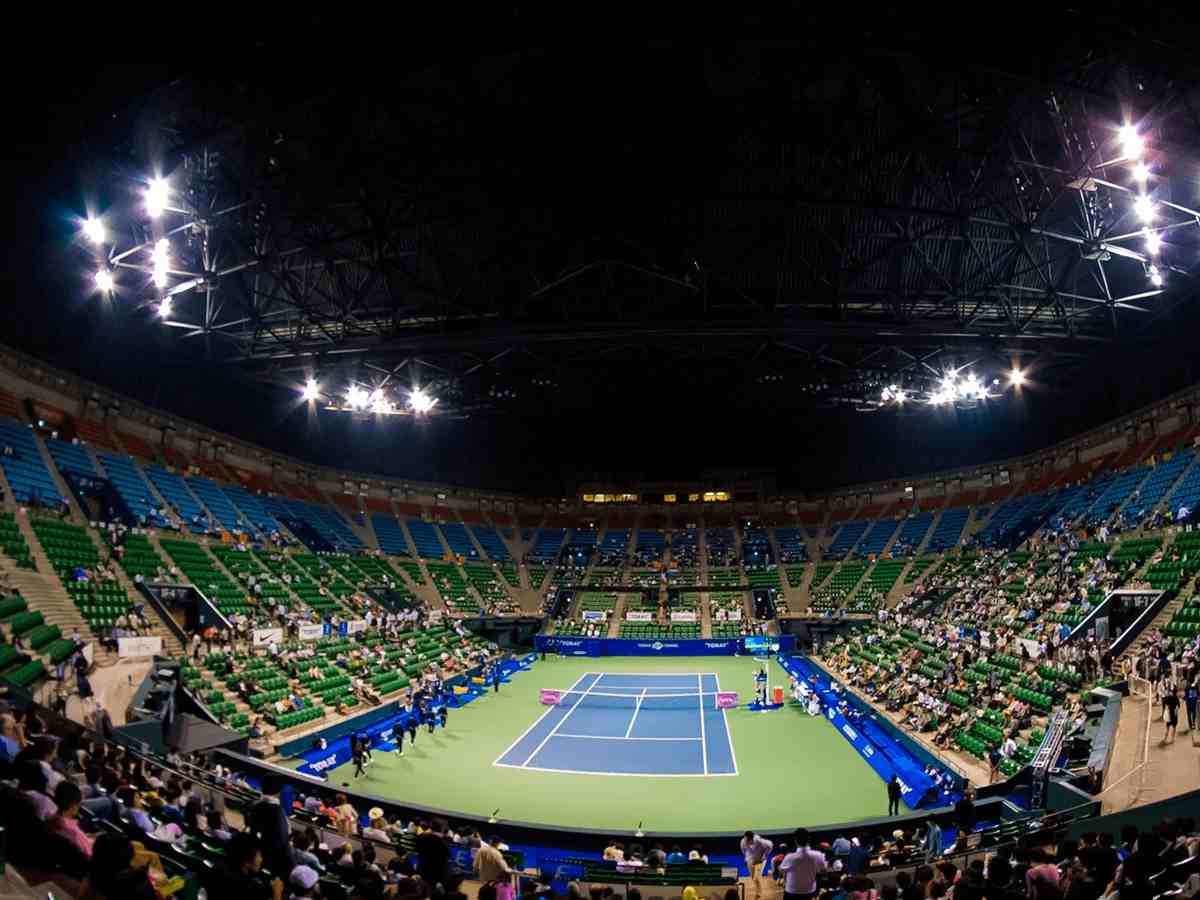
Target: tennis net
point(643, 700)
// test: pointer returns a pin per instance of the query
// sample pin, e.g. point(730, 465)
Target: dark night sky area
point(665, 434)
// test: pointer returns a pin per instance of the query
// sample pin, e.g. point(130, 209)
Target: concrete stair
point(618, 616)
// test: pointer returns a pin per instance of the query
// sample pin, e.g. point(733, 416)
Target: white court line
point(559, 723)
point(600, 737)
point(700, 703)
point(636, 709)
point(537, 722)
point(728, 733)
point(619, 774)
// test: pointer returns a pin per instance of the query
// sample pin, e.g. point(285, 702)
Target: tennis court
point(630, 724)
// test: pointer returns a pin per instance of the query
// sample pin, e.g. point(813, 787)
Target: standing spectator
point(434, 855)
point(1191, 696)
point(268, 818)
point(1170, 713)
point(801, 868)
point(893, 794)
point(756, 850)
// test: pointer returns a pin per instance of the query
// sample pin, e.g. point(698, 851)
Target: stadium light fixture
point(1144, 207)
point(1141, 173)
point(1016, 377)
point(156, 197)
point(901, 397)
point(1153, 242)
point(161, 257)
point(356, 397)
point(420, 402)
point(93, 230)
point(104, 281)
point(1132, 144)
point(311, 390)
point(164, 307)
point(1156, 277)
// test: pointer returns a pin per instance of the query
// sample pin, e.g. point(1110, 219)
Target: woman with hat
point(376, 825)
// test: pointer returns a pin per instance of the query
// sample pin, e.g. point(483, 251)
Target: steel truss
point(973, 219)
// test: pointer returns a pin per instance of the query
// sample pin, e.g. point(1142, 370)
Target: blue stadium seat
point(176, 492)
point(458, 540)
point(949, 529)
point(1161, 480)
point(847, 537)
point(756, 548)
point(877, 537)
point(791, 544)
point(251, 508)
point(912, 533)
point(491, 542)
point(126, 476)
point(26, 472)
point(425, 539)
point(390, 535)
point(547, 544)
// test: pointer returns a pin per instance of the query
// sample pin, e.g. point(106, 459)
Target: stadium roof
point(667, 240)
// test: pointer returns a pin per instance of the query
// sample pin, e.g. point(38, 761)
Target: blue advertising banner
point(580, 646)
point(881, 752)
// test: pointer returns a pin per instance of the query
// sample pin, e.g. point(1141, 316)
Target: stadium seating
point(491, 542)
point(547, 544)
point(389, 534)
point(651, 544)
point(195, 563)
point(71, 459)
point(1186, 493)
point(176, 492)
point(912, 533)
point(27, 475)
point(13, 541)
point(458, 540)
point(251, 508)
point(1161, 479)
point(225, 515)
point(877, 537)
point(791, 545)
point(70, 549)
point(1119, 489)
point(425, 539)
point(126, 476)
point(847, 537)
point(756, 548)
point(949, 529)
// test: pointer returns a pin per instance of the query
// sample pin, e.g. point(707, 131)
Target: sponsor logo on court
point(322, 764)
point(570, 643)
point(850, 732)
point(868, 751)
point(716, 645)
point(657, 645)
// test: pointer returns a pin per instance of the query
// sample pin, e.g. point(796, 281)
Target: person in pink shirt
point(67, 797)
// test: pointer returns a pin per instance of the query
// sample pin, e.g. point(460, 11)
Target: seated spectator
point(113, 875)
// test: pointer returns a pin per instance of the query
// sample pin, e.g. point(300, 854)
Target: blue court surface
point(627, 724)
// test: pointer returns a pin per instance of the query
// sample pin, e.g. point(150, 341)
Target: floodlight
point(160, 256)
point(901, 396)
point(1144, 207)
point(1141, 172)
point(1156, 278)
point(93, 230)
point(1131, 142)
point(156, 197)
point(356, 397)
point(421, 402)
point(311, 391)
point(1153, 242)
point(104, 280)
point(164, 307)
point(1016, 377)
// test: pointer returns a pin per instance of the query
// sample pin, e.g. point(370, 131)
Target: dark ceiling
point(621, 258)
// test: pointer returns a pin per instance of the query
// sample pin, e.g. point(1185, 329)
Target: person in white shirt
point(801, 868)
point(756, 850)
point(814, 706)
point(1008, 748)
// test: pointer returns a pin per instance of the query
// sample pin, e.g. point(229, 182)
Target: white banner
point(1032, 646)
point(356, 626)
point(639, 616)
point(311, 632)
point(139, 646)
point(684, 615)
point(593, 615)
point(264, 636)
